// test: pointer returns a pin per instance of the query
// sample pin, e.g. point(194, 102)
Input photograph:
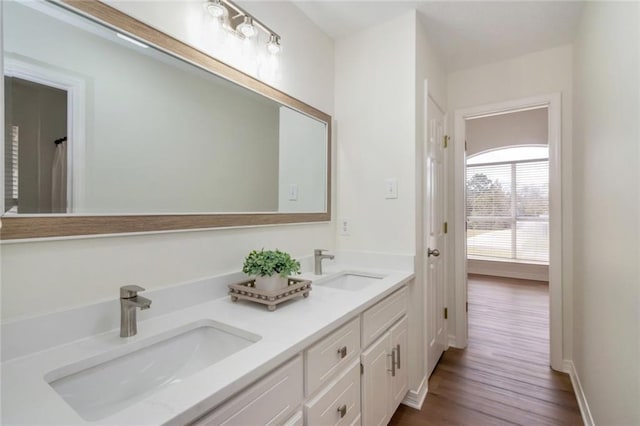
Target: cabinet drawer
point(377, 319)
point(331, 354)
point(339, 402)
point(271, 400)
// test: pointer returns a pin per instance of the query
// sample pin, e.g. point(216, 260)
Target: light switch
point(391, 188)
point(293, 192)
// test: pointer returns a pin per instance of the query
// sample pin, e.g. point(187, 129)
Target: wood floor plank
point(503, 376)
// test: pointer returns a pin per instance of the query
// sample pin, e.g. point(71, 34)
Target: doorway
point(552, 105)
point(35, 147)
point(53, 124)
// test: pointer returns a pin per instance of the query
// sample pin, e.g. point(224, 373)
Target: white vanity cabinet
point(384, 362)
point(333, 381)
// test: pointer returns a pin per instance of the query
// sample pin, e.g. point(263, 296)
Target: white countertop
point(27, 398)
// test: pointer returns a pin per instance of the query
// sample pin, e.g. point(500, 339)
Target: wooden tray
point(246, 291)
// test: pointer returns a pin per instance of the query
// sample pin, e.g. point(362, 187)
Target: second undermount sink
point(351, 281)
point(106, 386)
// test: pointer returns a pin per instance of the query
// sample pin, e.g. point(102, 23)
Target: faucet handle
point(129, 291)
point(318, 252)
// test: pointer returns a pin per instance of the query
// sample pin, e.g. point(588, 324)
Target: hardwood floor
point(503, 376)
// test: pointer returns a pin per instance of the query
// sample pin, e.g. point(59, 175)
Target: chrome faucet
point(318, 256)
point(129, 302)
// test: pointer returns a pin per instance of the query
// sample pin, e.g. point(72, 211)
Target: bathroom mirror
point(116, 127)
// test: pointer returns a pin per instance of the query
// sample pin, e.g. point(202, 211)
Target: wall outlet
point(293, 192)
point(391, 188)
point(344, 227)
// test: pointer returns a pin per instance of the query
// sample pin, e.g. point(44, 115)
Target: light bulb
point(274, 44)
point(246, 28)
point(215, 8)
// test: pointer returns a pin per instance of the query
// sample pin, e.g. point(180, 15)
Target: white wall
point(39, 277)
point(516, 128)
point(545, 72)
point(375, 115)
point(607, 211)
point(380, 114)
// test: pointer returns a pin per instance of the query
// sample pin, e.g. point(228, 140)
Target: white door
point(435, 235)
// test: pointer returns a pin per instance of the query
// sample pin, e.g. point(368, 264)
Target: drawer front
point(339, 402)
point(331, 354)
point(377, 319)
point(271, 400)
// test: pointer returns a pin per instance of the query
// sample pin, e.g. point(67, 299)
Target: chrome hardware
point(317, 257)
point(342, 352)
point(129, 302)
point(342, 410)
point(398, 352)
point(393, 362)
point(434, 252)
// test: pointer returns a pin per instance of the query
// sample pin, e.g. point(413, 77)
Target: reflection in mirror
point(96, 124)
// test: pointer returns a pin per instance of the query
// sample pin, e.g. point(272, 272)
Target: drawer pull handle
point(342, 410)
point(393, 362)
point(342, 352)
point(398, 352)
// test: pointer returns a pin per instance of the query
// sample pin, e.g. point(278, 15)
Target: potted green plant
point(271, 268)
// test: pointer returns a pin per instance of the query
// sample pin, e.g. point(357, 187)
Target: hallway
point(503, 376)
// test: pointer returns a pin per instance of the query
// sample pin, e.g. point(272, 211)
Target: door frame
point(553, 102)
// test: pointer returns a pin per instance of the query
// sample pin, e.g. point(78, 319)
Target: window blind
point(508, 210)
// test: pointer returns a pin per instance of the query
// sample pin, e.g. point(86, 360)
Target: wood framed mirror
point(231, 174)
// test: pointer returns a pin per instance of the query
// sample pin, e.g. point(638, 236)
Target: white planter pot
point(272, 283)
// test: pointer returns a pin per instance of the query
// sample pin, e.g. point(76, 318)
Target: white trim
point(75, 88)
point(415, 399)
point(503, 268)
point(553, 103)
point(569, 368)
point(453, 343)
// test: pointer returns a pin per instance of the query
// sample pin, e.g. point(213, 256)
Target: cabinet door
point(376, 382)
point(400, 381)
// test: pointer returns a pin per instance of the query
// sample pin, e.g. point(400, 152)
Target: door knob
point(434, 252)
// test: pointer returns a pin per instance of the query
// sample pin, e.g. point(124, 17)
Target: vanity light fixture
point(215, 8)
point(274, 44)
point(236, 20)
point(246, 28)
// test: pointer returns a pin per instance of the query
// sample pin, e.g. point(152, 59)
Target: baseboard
point(453, 342)
point(415, 399)
point(570, 368)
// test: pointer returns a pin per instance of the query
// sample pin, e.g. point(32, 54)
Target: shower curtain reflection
point(59, 178)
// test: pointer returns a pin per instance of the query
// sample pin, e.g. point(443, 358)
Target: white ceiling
point(467, 33)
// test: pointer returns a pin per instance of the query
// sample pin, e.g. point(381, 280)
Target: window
point(508, 204)
point(11, 172)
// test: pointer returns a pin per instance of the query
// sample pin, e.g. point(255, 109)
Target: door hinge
point(446, 313)
point(445, 227)
point(466, 306)
point(361, 369)
point(445, 141)
point(465, 145)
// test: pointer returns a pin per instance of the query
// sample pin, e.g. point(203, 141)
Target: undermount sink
point(100, 387)
point(351, 281)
